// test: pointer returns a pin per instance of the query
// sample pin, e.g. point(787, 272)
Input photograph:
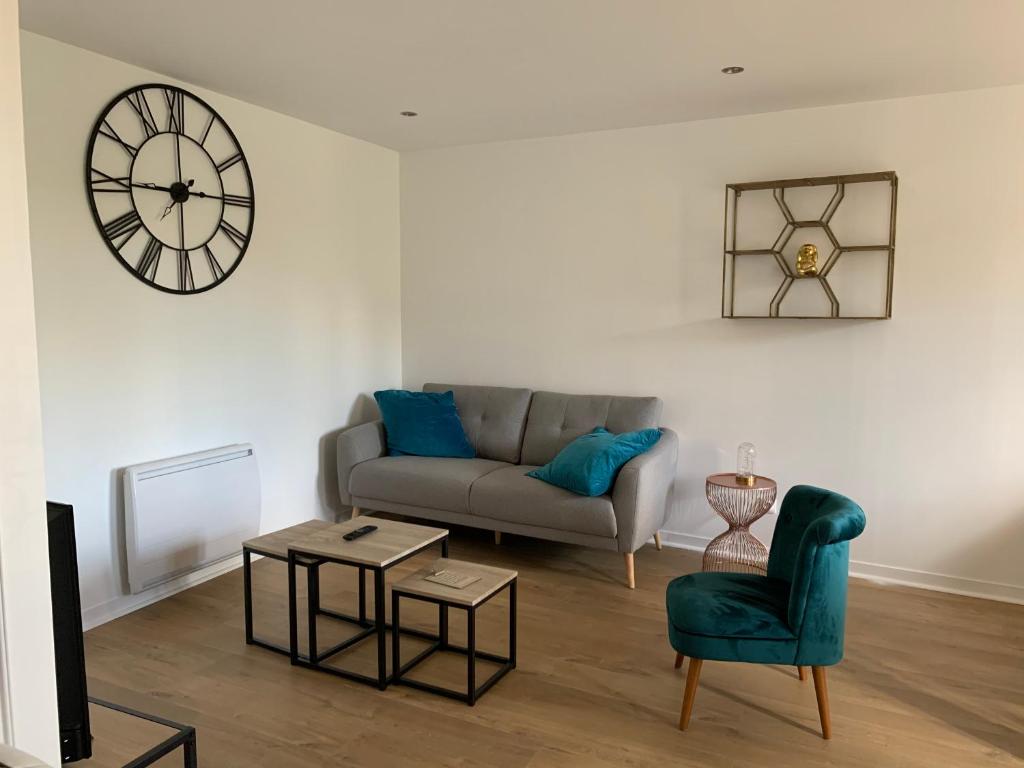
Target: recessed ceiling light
point(408, 113)
point(731, 70)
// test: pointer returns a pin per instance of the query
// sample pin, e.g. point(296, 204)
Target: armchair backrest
point(811, 550)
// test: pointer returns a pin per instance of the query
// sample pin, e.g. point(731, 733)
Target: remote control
point(358, 532)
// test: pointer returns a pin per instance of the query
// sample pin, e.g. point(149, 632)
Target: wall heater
point(187, 512)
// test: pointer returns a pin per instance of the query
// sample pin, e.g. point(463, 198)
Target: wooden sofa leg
point(821, 691)
point(689, 691)
point(356, 512)
point(497, 538)
point(657, 540)
point(802, 671)
point(679, 661)
point(630, 577)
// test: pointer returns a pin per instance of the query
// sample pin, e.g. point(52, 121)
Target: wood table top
point(390, 542)
point(491, 580)
point(277, 543)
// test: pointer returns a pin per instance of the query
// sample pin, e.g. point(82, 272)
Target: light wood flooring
point(928, 680)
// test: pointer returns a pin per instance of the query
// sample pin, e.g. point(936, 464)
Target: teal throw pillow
point(423, 424)
point(588, 465)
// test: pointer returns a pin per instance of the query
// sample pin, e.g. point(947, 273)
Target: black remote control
point(358, 532)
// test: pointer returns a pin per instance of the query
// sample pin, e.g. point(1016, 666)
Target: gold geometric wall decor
point(788, 278)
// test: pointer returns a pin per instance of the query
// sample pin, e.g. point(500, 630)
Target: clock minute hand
point(148, 185)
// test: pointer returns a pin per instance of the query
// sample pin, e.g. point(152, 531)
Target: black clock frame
point(89, 191)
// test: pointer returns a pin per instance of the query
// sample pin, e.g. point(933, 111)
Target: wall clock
point(169, 188)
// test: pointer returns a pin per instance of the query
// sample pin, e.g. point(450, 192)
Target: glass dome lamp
point(746, 455)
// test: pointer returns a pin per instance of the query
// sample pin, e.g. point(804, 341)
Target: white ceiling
point(486, 70)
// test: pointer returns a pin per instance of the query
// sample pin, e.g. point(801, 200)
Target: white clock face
point(170, 189)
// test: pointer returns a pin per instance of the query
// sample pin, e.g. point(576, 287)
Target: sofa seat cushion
point(730, 605)
point(508, 494)
point(420, 481)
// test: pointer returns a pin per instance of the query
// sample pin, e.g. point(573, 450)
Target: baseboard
point(890, 574)
point(125, 604)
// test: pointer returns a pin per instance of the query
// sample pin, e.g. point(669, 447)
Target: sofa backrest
point(494, 418)
point(556, 419)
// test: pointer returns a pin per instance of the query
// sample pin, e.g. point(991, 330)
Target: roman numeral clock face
point(170, 189)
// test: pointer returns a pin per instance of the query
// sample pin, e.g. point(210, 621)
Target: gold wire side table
point(740, 505)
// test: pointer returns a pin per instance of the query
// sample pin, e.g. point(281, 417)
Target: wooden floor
point(928, 680)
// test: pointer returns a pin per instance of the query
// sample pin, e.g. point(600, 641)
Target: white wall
point(592, 263)
point(28, 694)
point(281, 354)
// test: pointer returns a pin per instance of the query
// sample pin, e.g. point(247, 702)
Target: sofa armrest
point(640, 495)
point(355, 446)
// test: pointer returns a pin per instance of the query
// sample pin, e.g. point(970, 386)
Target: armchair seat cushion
point(733, 605)
point(508, 494)
point(420, 481)
point(730, 617)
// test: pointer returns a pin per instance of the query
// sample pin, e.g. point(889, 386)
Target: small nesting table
point(275, 546)
point(740, 505)
point(416, 587)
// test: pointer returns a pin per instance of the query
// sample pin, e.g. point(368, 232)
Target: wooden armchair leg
point(802, 671)
point(356, 511)
point(630, 575)
point(689, 692)
point(821, 691)
point(679, 661)
point(657, 540)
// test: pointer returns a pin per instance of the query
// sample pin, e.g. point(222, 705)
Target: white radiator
point(189, 511)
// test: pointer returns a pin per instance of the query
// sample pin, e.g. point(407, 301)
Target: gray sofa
point(514, 431)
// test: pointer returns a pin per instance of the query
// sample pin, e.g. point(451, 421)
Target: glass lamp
point(746, 455)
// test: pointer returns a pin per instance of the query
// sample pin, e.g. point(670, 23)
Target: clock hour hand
point(180, 189)
point(168, 209)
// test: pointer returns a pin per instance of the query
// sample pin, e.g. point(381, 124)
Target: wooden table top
point(277, 543)
point(390, 542)
point(491, 580)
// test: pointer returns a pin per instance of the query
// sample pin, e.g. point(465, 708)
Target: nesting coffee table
point(316, 543)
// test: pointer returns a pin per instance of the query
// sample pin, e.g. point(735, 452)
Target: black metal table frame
point(378, 626)
point(473, 692)
point(312, 566)
point(184, 738)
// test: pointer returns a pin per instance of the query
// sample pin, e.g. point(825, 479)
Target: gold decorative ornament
point(807, 260)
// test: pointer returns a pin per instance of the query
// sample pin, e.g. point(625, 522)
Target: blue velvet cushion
point(589, 463)
point(423, 424)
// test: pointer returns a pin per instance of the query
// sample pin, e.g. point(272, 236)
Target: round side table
point(740, 505)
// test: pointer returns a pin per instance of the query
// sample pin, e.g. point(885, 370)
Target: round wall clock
point(169, 188)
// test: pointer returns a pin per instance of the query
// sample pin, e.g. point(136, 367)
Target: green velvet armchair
point(795, 615)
